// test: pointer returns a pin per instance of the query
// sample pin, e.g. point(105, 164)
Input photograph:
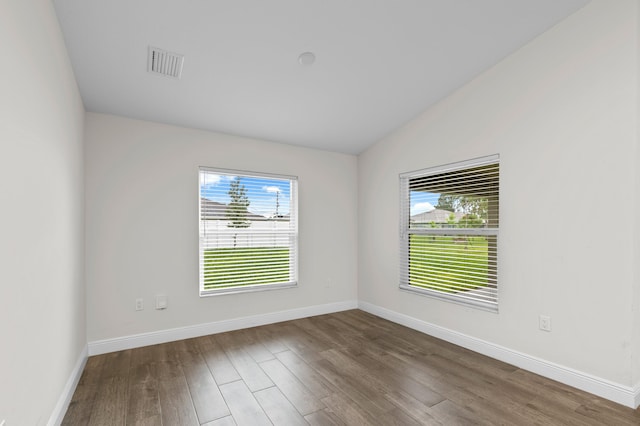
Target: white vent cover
point(165, 63)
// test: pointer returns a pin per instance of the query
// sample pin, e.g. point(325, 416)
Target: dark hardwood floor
point(347, 368)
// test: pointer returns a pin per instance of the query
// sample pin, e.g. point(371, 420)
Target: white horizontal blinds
point(455, 265)
point(248, 231)
point(449, 247)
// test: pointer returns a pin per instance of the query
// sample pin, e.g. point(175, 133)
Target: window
point(248, 231)
point(449, 232)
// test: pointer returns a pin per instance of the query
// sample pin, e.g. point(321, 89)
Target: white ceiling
point(379, 63)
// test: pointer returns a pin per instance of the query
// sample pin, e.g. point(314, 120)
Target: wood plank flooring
point(347, 368)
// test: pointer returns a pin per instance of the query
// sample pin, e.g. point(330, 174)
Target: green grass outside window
point(448, 264)
point(241, 266)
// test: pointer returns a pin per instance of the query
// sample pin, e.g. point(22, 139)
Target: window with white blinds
point(449, 232)
point(248, 231)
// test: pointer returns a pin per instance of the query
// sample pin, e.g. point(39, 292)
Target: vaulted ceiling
point(378, 63)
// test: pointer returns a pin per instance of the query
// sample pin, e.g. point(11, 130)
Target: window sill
point(452, 298)
point(247, 289)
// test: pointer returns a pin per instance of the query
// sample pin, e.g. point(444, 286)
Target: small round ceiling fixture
point(306, 58)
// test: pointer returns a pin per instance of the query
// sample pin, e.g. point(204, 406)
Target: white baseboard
point(67, 393)
point(625, 395)
point(163, 336)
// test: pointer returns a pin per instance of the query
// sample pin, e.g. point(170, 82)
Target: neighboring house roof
point(435, 216)
point(212, 210)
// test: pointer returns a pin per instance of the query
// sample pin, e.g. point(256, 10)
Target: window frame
point(292, 232)
point(406, 231)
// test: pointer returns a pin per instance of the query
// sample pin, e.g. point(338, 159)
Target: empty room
point(244, 212)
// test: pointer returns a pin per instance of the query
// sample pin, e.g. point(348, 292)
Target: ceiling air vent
point(165, 63)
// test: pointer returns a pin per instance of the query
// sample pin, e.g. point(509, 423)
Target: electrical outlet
point(139, 307)
point(161, 301)
point(545, 323)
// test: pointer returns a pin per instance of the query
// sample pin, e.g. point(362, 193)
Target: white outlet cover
point(545, 323)
point(161, 301)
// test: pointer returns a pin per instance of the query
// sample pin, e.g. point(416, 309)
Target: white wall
point(636, 283)
point(562, 113)
point(42, 308)
point(142, 224)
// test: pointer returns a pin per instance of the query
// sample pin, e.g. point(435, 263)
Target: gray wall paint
point(42, 293)
point(142, 224)
point(562, 113)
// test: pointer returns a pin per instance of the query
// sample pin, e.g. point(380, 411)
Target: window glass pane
point(449, 232)
point(453, 263)
point(248, 232)
point(458, 199)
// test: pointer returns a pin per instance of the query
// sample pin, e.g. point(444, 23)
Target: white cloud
point(272, 189)
point(210, 179)
point(421, 208)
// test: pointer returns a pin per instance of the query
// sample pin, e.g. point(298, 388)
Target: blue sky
point(262, 192)
point(423, 201)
